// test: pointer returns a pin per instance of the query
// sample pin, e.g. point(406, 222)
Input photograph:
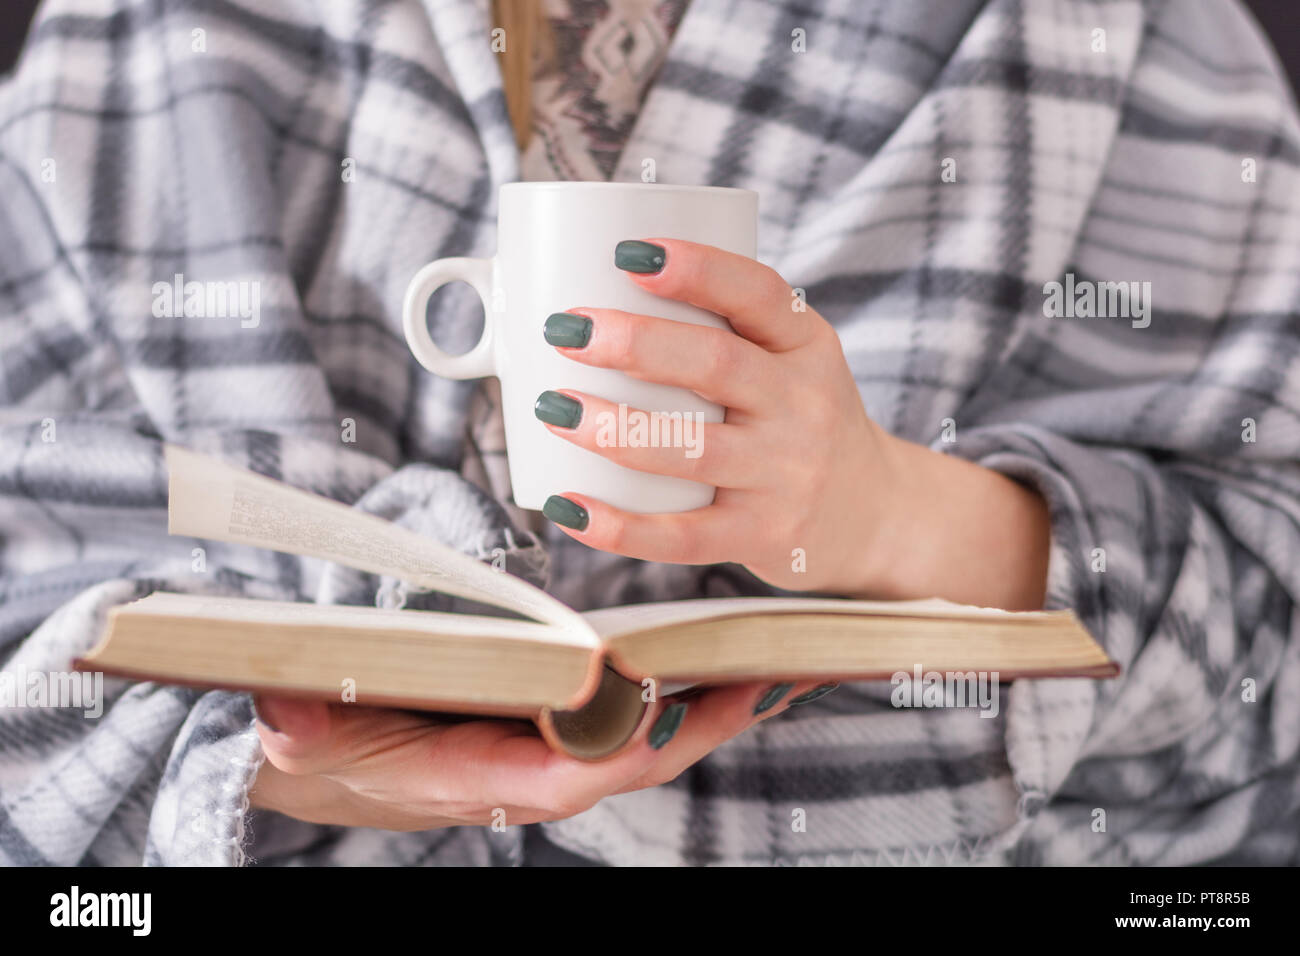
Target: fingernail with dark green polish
point(568, 513)
point(567, 330)
point(556, 409)
point(772, 697)
point(667, 725)
point(633, 255)
point(817, 693)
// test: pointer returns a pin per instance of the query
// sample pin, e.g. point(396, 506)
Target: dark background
point(1280, 18)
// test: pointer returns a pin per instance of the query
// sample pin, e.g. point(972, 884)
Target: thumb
point(291, 730)
point(311, 736)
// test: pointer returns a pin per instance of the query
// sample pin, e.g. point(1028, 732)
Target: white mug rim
point(576, 186)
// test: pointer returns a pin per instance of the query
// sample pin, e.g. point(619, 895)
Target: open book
point(586, 679)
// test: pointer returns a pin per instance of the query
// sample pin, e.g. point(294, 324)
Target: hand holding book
point(345, 765)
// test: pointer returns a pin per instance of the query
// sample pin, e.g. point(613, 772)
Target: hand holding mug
point(812, 494)
point(797, 463)
point(629, 318)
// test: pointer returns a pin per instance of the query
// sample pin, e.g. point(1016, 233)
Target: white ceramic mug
point(555, 252)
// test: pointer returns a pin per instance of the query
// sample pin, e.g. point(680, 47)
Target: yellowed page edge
point(616, 621)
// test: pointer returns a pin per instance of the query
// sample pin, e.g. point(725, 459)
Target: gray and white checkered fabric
point(142, 139)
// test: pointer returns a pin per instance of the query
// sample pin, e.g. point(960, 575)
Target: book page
point(208, 498)
point(614, 621)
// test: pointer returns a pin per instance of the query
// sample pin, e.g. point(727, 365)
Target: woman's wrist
point(950, 528)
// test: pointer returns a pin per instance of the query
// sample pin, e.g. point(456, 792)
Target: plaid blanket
point(926, 171)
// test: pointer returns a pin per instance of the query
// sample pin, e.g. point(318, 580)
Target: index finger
point(758, 303)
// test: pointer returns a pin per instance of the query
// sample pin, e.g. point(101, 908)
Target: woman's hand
point(812, 494)
point(347, 765)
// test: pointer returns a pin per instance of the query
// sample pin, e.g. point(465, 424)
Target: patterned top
point(588, 83)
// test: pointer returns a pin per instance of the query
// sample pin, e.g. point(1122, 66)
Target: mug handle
point(477, 362)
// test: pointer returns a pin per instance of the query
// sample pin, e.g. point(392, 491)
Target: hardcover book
point(586, 679)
